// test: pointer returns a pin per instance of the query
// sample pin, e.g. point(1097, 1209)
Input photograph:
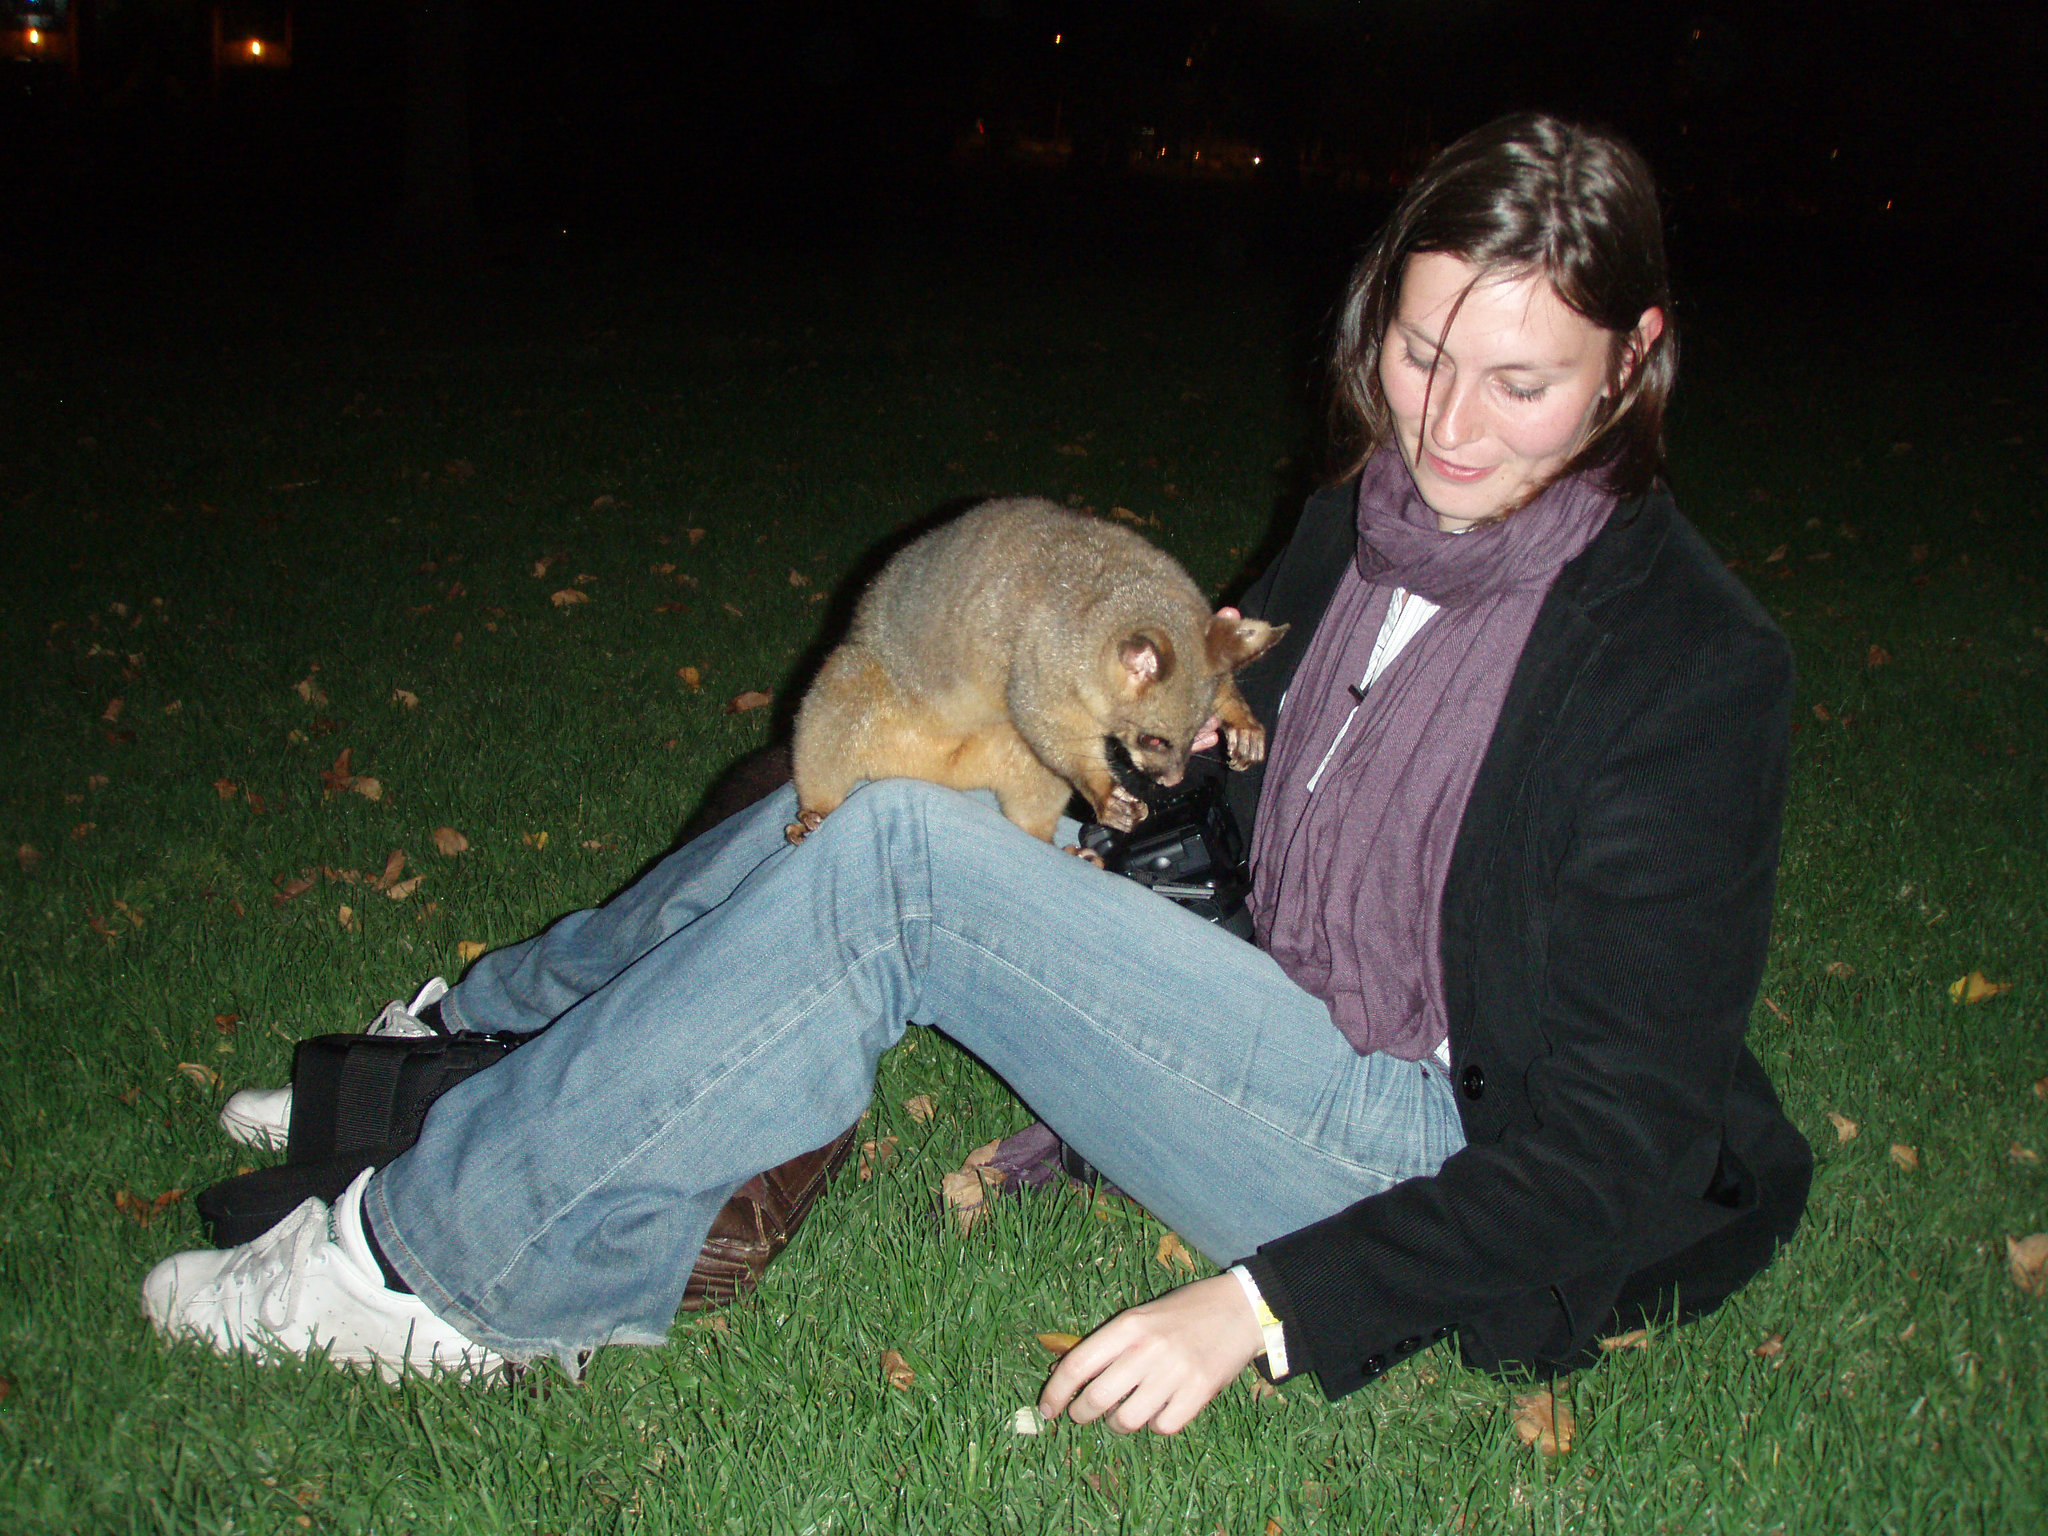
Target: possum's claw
point(805, 824)
point(1247, 745)
point(1122, 810)
point(1088, 856)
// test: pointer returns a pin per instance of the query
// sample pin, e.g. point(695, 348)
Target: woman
point(1512, 860)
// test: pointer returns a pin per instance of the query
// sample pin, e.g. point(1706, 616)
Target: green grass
point(799, 416)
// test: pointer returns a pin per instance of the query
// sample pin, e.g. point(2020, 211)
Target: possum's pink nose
point(1173, 778)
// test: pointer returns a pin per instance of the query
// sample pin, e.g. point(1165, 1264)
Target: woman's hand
point(1159, 1363)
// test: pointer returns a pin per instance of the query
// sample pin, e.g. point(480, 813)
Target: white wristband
point(1269, 1325)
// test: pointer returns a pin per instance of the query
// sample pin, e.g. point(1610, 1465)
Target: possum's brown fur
point(999, 650)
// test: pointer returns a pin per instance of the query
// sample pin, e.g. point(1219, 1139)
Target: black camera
point(1188, 848)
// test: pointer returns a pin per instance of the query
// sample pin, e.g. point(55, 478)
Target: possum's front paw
point(1122, 810)
point(805, 824)
point(1247, 744)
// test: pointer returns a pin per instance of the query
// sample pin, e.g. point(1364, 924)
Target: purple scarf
point(1348, 883)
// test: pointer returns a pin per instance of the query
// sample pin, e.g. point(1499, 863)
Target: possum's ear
point(1146, 658)
point(1234, 639)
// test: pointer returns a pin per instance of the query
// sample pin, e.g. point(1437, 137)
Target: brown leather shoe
point(758, 1222)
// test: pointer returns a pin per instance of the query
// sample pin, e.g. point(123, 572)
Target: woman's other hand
point(1157, 1364)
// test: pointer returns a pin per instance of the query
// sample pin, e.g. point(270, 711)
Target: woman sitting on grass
point(1512, 867)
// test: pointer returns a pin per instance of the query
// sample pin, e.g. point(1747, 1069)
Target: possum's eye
point(1152, 743)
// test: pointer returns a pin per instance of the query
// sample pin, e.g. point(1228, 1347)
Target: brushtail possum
point(1001, 650)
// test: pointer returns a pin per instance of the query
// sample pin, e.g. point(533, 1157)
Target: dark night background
point(1868, 137)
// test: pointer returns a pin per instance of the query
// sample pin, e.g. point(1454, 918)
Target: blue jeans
point(727, 1011)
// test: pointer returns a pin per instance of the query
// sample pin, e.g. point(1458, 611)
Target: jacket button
point(1474, 1081)
point(1408, 1346)
point(1440, 1333)
point(1374, 1364)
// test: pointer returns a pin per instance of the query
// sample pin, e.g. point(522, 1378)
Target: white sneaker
point(308, 1283)
point(262, 1117)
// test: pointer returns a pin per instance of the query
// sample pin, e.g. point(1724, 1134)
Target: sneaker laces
point(283, 1254)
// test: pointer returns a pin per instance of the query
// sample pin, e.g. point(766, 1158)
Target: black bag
point(357, 1102)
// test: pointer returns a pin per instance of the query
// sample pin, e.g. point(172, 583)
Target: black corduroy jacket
point(1604, 930)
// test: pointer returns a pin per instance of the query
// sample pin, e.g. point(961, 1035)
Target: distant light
point(1255, 159)
point(1695, 34)
point(1056, 38)
point(1834, 154)
point(35, 38)
point(255, 48)
point(1887, 205)
point(1191, 61)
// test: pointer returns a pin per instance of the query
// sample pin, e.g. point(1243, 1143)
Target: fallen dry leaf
point(896, 1370)
point(1772, 1346)
point(200, 1073)
point(1172, 1253)
point(287, 889)
point(1845, 1128)
point(404, 888)
point(692, 678)
point(1058, 1343)
point(1261, 1389)
point(965, 1196)
point(111, 715)
point(797, 578)
point(1274, 1527)
point(1772, 1004)
point(1841, 970)
point(1908, 1158)
point(226, 1022)
point(1025, 1421)
point(1877, 656)
point(309, 689)
point(920, 1108)
point(753, 698)
point(877, 1152)
point(227, 789)
point(406, 697)
point(448, 842)
point(695, 536)
point(2020, 1154)
point(29, 858)
point(394, 866)
point(369, 788)
point(1544, 1422)
point(468, 950)
point(95, 781)
point(128, 1203)
point(2041, 1088)
point(1973, 988)
point(1635, 1338)
point(2026, 1260)
point(981, 1157)
point(335, 780)
point(346, 916)
point(534, 840)
point(134, 917)
point(568, 596)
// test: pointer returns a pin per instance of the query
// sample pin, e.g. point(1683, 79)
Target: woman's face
point(1511, 388)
